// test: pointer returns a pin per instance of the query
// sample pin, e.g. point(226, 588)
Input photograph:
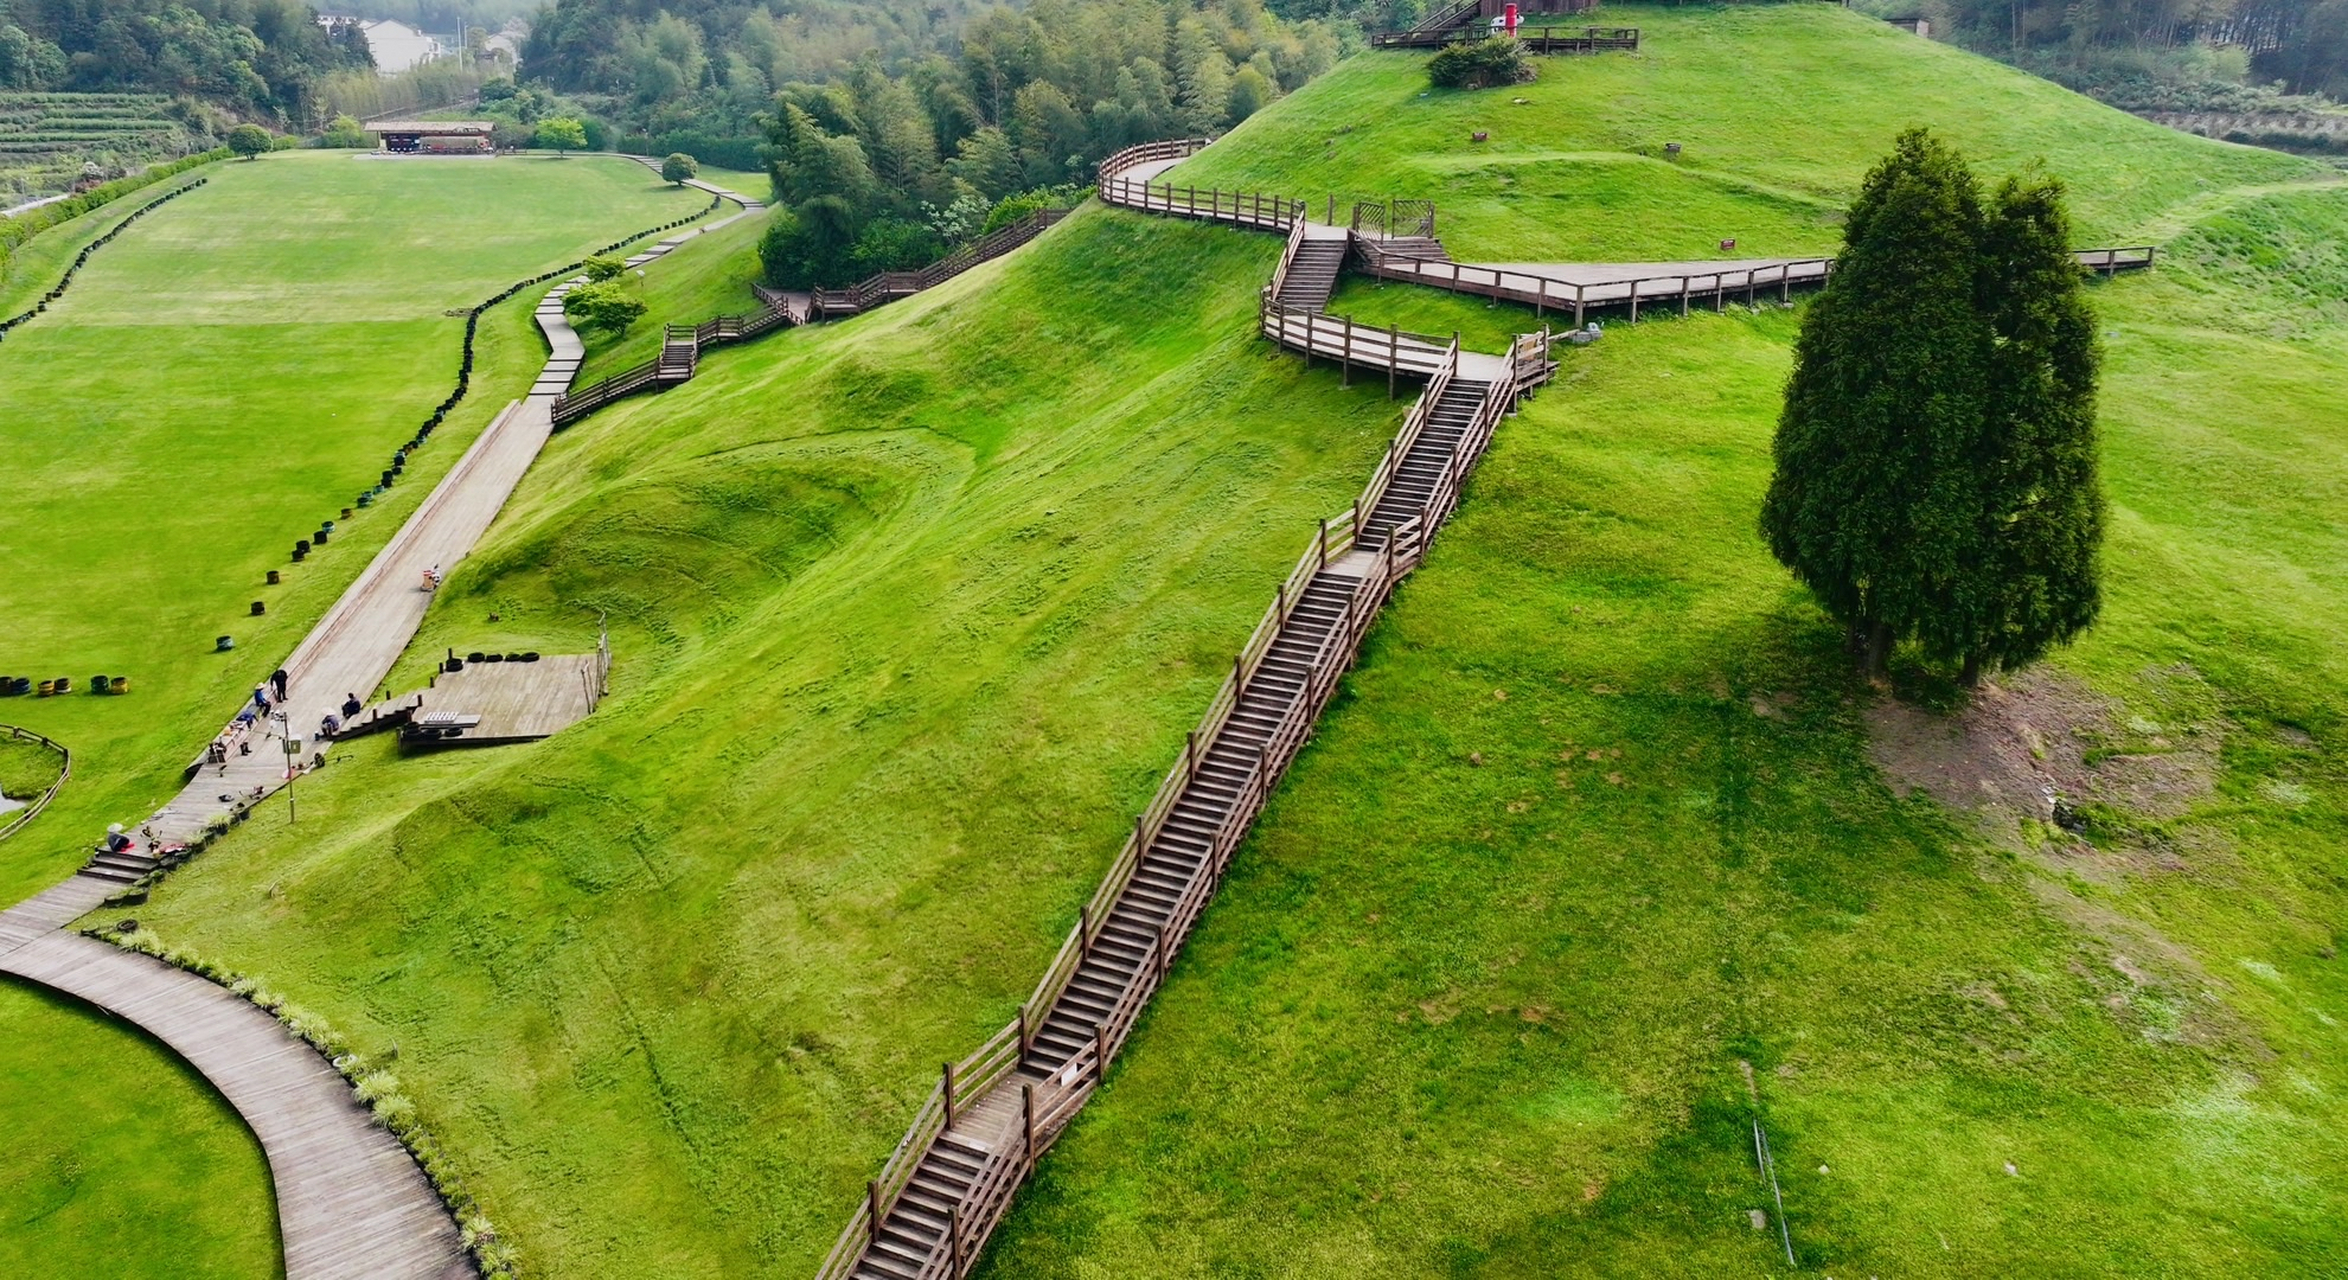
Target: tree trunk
point(1970, 674)
point(1878, 650)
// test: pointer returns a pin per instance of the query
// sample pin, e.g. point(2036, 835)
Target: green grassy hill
point(910, 612)
point(1598, 825)
point(1590, 866)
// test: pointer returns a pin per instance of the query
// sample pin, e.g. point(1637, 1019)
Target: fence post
point(1024, 1043)
point(1027, 1112)
point(954, 1238)
point(1393, 357)
point(949, 1082)
point(1100, 1052)
point(1345, 365)
point(1084, 932)
point(872, 1207)
point(1279, 616)
point(1161, 955)
point(1324, 544)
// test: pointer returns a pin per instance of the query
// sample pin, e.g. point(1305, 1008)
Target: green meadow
point(229, 372)
point(1592, 867)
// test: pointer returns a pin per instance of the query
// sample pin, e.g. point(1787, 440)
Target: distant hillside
point(261, 59)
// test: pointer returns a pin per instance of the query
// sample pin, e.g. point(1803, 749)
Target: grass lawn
point(219, 379)
point(230, 372)
point(26, 769)
point(909, 613)
point(1595, 827)
point(116, 1158)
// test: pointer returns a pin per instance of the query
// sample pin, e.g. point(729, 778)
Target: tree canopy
point(1935, 462)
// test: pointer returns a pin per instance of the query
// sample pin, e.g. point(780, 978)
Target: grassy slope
point(909, 613)
point(291, 316)
point(135, 526)
point(1771, 155)
point(116, 1159)
point(1474, 999)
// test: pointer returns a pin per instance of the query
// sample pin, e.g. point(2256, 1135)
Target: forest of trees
point(2124, 49)
point(259, 58)
point(893, 135)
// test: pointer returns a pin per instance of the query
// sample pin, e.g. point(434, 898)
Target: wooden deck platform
point(493, 703)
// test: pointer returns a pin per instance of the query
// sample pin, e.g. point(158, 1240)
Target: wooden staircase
point(1311, 278)
point(1417, 478)
point(680, 353)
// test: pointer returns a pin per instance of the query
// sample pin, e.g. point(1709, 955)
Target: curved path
point(351, 1203)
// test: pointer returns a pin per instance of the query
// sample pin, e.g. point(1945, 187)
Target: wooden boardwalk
point(940, 1195)
point(351, 1204)
point(493, 703)
point(1579, 288)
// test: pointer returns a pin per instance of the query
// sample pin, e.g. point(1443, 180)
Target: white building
point(395, 45)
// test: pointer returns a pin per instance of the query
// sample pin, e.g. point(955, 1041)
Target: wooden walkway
point(350, 1201)
point(681, 346)
point(976, 1139)
point(1579, 288)
point(940, 1195)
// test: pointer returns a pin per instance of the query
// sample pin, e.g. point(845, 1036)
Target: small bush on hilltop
point(679, 167)
point(1481, 64)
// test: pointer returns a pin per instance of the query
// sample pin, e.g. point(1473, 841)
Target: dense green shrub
point(606, 304)
point(678, 167)
point(248, 140)
point(1480, 64)
point(604, 266)
point(346, 133)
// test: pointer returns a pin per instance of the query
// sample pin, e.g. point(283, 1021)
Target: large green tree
point(1935, 476)
point(1868, 506)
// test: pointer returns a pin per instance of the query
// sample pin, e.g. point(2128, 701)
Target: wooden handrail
point(40, 802)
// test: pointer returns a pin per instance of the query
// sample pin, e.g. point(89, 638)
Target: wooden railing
point(1317, 333)
point(40, 802)
point(1542, 39)
point(888, 286)
point(827, 303)
point(1545, 295)
point(1449, 16)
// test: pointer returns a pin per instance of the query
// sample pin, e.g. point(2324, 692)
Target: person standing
point(280, 681)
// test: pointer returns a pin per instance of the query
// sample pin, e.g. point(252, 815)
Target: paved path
point(351, 1203)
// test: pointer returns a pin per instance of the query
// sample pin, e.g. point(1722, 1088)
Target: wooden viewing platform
point(488, 704)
